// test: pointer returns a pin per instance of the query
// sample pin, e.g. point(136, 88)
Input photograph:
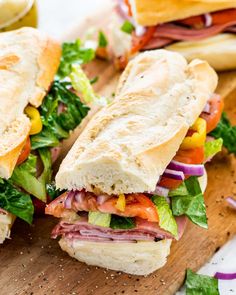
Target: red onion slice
point(69, 199)
point(225, 276)
point(140, 30)
point(161, 191)
point(207, 108)
point(102, 199)
point(207, 19)
point(231, 201)
point(188, 169)
point(80, 197)
point(178, 175)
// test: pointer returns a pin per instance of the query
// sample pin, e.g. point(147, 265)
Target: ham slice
point(144, 231)
point(168, 33)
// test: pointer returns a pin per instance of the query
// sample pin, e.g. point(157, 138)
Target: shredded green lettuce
point(102, 40)
point(213, 147)
point(127, 27)
point(166, 218)
point(15, 201)
point(99, 218)
point(74, 53)
point(192, 204)
point(201, 284)
point(57, 126)
point(81, 83)
point(227, 132)
point(25, 176)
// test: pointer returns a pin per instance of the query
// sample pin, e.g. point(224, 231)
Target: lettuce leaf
point(25, 177)
point(56, 126)
point(212, 147)
point(81, 83)
point(201, 284)
point(99, 218)
point(118, 222)
point(102, 40)
point(166, 218)
point(192, 204)
point(16, 202)
point(227, 132)
point(179, 191)
point(52, 191)
point(73, 52)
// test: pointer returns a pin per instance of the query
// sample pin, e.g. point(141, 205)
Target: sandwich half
point(197, 29)
point(36, 114)
point(137, 170)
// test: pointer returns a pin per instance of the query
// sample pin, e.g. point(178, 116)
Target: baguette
point(28, 63)
point(153, 12)
point(219, 51)
point(128, 144)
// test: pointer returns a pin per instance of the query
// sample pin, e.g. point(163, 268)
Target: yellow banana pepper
point(120, 204)
point(35, 119)
point(198, 138)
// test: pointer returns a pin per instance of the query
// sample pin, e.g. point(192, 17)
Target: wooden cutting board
point(32, 263)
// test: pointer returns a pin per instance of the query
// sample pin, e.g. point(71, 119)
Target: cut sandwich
point(196, 29)
point(136, 171)
point(36, 114)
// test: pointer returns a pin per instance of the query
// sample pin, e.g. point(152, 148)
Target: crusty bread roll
point(219, 51)
point(28, 63)
point(153, 12)
point(6, 221)
point(140, 258)
point(128, 144)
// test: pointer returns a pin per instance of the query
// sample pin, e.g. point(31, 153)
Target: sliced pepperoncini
point(120, 204)
point(198, 138)
point(35, 119)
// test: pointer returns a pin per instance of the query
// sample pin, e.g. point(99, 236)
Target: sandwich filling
point(153, 37)
point(147, 216)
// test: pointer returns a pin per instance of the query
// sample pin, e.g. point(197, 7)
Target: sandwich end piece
point(6, 222)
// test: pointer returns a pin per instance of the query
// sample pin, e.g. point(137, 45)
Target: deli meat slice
point(82, 230)
point(168, 33)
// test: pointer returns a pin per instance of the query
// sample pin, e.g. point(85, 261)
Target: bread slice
point(153, 12)
point(6, 221)
point(140, 258)
point(219, 51)
point(128, 144)
point(28, 62)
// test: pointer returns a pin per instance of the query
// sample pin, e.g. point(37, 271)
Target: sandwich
point(136, 172)
point(37, 111)
point(202, 29)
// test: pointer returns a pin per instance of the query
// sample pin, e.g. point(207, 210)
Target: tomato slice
point(218, 18)
point(137, 205)
point(216, 109)
point(56, 207)
point(138, 42)
point(190, 156)
point(169, 182)
point(25, 152)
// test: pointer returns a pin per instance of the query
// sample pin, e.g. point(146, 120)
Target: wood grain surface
point(31, 263)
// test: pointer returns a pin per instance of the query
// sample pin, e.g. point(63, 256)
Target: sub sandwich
point(136, 172)
point(36, 114)
point(202, 29)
